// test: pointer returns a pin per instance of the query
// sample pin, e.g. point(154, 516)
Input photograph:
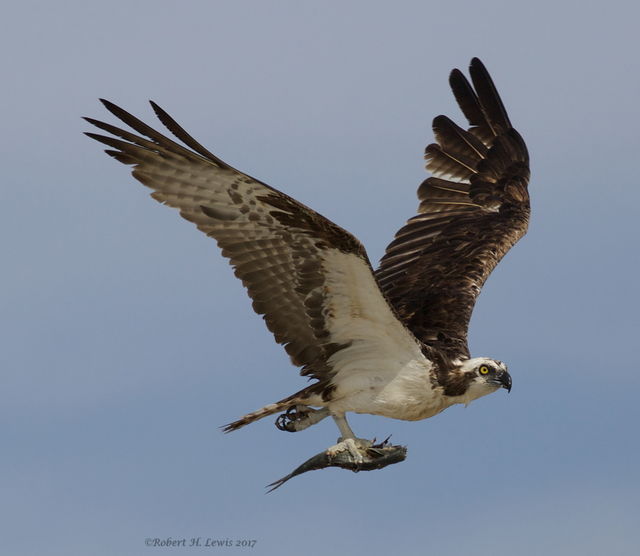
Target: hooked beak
point(505, 380)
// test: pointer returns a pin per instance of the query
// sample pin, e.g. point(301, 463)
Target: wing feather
point(309, 278)
point(472, 210)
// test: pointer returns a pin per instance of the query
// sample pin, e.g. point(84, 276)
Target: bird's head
point(483, 376)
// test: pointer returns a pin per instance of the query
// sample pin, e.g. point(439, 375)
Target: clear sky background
point(126, 340)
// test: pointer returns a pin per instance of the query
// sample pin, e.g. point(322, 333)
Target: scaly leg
point(348, 440)
point(345, 429)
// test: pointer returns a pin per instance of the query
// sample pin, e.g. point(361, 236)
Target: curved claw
point(286, 420)
point(283, 423)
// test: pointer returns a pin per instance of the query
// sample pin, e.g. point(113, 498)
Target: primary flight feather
point(389, 342)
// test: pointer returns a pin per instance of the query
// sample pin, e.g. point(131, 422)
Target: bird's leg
point(348, 440)
point(345, 429)
point(299, 417)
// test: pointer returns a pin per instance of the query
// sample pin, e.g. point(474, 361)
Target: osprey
point(390, 342)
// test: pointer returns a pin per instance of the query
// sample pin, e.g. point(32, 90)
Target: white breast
point(401, 392)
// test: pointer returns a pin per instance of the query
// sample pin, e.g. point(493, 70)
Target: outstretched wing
point(472, 210)
point(310, 279)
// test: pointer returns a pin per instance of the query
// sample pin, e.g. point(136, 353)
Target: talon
point(286, 421)
point(381, 444)
point(283, 422)
point(356, 448)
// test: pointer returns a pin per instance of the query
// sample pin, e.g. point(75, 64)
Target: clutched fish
point(360, 456)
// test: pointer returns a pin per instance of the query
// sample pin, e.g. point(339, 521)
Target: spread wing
point(310, 279)
point(472, 210)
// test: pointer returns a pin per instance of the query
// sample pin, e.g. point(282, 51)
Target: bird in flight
point(391, 341)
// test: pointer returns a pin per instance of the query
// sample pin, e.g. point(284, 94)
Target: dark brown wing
point(473, 209)
point(310, 279)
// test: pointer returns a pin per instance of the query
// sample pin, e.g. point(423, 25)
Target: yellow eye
point(484, 370)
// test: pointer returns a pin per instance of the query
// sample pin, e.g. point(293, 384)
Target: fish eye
point(484, 370)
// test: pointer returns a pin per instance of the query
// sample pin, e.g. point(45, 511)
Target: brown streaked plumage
point(393, 342)
point(267, 236)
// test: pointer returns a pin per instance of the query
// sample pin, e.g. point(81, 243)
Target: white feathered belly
point(404, 393)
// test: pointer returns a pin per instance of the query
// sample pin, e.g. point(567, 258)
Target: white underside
point(383, 371)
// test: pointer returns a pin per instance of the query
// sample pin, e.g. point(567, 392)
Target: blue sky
point(127, 341)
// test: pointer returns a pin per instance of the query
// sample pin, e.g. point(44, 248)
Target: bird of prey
point(391, 341)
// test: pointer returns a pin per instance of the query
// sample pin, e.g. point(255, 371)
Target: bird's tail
point(267, 410)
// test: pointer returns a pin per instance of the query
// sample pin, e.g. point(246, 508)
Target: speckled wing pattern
point(279, 248)
point(472, 210)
